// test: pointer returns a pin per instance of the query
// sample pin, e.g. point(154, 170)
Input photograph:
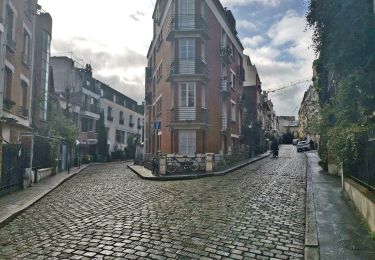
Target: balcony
point(182, 117)
point(148, 98)
point(109, 118)
point(121, 121)
point(224, 86)
point(88, 137)
point(187, 26)
point(197, 68)
point(241, 73)
point(225, 122)
point(8, 104)
point(23, 112)
point(226, 54)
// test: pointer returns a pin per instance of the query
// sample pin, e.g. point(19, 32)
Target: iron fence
point(12, 168)
point(363, 169)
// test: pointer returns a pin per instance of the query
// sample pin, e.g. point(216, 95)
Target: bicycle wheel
point(194, 165)
point(172, 167)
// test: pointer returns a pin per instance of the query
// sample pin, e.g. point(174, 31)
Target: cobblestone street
point(107, 212)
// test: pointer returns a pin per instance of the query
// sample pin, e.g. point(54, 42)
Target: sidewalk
point(14, 204)
point(339, 228)
point(144, 173)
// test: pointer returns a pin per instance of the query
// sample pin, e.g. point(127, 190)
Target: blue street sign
point(157, 125)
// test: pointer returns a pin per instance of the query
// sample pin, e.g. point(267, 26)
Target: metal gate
point(12, 169)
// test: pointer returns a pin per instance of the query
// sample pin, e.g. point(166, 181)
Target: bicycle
point(188, 164)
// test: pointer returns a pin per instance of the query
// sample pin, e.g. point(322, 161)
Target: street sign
point(157, 125)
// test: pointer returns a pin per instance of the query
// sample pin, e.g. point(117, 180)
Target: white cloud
point(286, 38)
point(252, 42)
point(114, 40)
point(246, 25)
point(233, 3)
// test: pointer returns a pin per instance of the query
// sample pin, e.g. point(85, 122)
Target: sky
point(114, 37)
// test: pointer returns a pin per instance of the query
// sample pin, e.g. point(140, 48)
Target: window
point(203, 8)
point(159, 72)
point(186, 10)
point(233, 111)
point(109, 114)
point(87, 125)
point(24, 94)
point(10, 24)
point(26, 48)
point(46, 44)
point(203, 51)
point(121, 118)
point(187, 94)
point(187, 49)
point(186, 142)
point(8, 83)
point(158, 106)
point(203, 97)
point(131, 124)
point(120, 136)
point(232, 79)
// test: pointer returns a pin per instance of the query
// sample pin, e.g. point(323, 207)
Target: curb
point(197, 176)
point(312, 250)
point(29, 204)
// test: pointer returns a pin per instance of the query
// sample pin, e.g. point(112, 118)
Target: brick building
point(193, 79)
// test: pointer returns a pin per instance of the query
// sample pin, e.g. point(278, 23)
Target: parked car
point(303, 146)
point(295, 141)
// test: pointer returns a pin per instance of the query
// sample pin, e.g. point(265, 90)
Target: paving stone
point(107, 212)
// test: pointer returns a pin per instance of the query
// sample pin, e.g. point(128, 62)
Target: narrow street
point(108, 212)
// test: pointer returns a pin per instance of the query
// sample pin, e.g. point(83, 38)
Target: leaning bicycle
point(186, 163)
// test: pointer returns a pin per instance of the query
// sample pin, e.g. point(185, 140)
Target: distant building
point(123, 118)
point(308, 115)
point(79, 95)
point(193, 79)
point(288, 124)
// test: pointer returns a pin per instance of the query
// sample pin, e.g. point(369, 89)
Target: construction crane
point(288, 85)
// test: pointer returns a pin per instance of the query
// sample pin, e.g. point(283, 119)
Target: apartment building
point(79, 95)
point(43, 81)
point(123, 118)
point(193, 79)
point(17, 44)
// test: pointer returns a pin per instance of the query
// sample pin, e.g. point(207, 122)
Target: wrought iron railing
point(189, 114)
point(187, 22)
point(188, 67)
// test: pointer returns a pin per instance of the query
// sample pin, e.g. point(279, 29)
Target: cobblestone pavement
point(107, 212)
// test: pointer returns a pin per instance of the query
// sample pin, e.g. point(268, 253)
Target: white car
point(303, 146)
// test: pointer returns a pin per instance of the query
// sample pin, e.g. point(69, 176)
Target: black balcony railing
point(109, 118)
point(188, 67)
point(148, 73)
point(186, 23)
point(121, 121)
point(24, 112)
point(91, 108)
point(226, 53)
point(148, 98)
point(8, 104)
point(197, 115)
point(224, 85)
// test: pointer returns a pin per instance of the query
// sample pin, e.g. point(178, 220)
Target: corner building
point(193, 79)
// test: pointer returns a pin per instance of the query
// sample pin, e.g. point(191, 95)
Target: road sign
point(157, 125)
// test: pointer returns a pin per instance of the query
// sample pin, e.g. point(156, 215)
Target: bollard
point(210, 159)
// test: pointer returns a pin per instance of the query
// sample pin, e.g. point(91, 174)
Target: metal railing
point(188, 67)
point(226, 53)
point(24, 112)
point(224, 85)
point(187, 22)
point(189, 114)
